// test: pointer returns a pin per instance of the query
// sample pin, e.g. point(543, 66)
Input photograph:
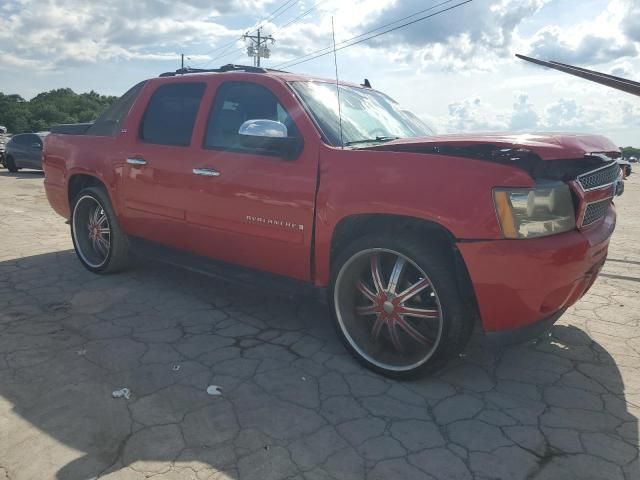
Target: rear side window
point(108, 124)
point(171, 114)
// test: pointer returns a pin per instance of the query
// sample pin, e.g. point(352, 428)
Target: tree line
point(50, 108)
point(631, 152)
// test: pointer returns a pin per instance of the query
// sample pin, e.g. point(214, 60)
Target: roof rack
point(225, 68)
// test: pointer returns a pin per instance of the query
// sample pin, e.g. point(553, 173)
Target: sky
point(456, 69)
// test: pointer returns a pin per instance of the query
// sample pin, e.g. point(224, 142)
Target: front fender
point(451, 192)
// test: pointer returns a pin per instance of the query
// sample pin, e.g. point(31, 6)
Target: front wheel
point(100, 244)
point(396, 305)
point(10, 163)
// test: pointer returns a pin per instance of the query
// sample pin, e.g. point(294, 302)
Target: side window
point(237, 102)
point(34, 140)
point(108, 123)
point(171, 114)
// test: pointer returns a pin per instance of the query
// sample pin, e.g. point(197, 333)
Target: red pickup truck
point(255, 174)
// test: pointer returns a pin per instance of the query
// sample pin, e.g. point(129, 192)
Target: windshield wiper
point(378, 139)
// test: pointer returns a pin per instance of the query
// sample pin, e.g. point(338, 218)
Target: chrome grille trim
point(595, 211)
point(600, 177)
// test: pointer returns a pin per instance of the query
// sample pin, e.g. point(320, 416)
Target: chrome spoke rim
point(375, 274)
point(411, 331)
point(388, 309)
point(91, 231)
point(395, 275)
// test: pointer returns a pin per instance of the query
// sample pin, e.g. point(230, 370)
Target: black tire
point(10, 163)
point(429, 265)
point(108, 259)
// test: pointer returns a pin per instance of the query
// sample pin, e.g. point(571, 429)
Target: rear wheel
point(11, 164)
point(396, 305)
point(100, 244)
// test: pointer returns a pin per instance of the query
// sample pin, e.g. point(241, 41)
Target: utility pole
point(182, 61)
point(258, 48)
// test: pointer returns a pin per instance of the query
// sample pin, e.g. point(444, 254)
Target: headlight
point(535, 212)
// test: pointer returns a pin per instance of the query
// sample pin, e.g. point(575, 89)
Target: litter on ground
point(123, 392)
point(214, 390)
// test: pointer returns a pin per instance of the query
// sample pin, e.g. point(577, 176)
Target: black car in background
point(24, 151)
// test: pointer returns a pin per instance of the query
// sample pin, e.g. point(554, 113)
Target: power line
point(312, 54)
point(225, 49)
point(286, 25)
point(283, 27)
point(273, 18)
point(298, 18)
point(226, 45)
point(350, 42)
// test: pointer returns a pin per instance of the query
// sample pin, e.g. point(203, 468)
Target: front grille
point(595, 211)
point(599, 178)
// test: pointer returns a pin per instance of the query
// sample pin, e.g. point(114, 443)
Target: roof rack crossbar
point(225, 68)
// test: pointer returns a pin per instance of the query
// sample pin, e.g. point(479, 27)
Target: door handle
point(206, 172)
point(136, 161)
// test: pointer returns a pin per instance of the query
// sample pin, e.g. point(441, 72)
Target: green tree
point(14, 113)
point(631, 152)
point(62, 105)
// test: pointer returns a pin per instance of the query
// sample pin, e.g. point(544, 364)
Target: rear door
point(17, 150)
point(156, 175)
point(250, 206)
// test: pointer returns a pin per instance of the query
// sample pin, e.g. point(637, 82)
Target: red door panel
point(154, 195)
point(258, 212)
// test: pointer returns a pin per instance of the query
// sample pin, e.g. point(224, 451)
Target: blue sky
point(457, 70)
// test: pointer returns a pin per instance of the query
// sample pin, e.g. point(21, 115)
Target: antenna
point(335, 61)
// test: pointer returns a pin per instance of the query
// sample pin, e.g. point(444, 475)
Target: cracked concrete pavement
point(294, 405)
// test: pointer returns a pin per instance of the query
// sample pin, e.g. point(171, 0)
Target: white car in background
point(4, 138)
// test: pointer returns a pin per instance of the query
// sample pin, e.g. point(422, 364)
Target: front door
point(251, 206)
point(33, 152)
point(157, 170)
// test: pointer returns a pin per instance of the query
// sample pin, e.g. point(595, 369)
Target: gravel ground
point(293, 404)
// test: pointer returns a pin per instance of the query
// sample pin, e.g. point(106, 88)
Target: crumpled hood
point(547, 146)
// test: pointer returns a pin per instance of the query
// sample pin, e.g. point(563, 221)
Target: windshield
point(367, 115)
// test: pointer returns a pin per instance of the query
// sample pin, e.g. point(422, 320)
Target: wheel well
point(435, 236)
point(356, 226)
point(79, 182)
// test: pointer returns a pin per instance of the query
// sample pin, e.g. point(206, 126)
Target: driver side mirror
point(270, 137)
point(263, 128)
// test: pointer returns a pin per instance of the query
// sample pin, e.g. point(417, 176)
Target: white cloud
point(477, 115)
point(75, 32)
point(610, 36)
point(589, 49)
point(472, 115)
point(631, 21)
point(630, 114)
point(524, 116)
